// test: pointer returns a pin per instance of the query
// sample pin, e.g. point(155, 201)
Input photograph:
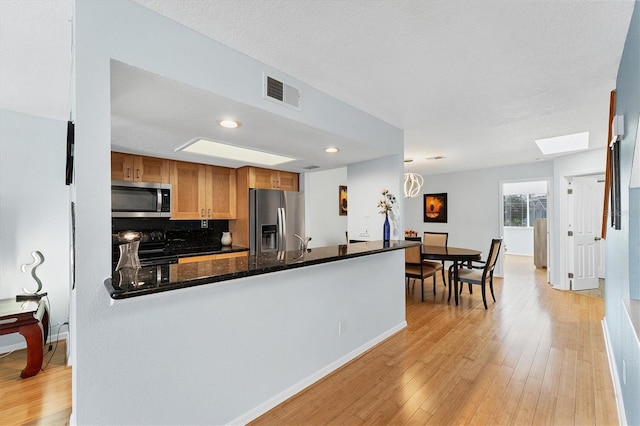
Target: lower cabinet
point(192, 259)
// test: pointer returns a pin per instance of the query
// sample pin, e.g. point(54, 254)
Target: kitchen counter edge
point(269, 264)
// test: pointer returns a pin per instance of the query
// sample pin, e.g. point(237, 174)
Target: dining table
point(457, 255)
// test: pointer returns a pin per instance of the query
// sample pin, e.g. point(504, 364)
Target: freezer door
point(293, 208)
point(263, 220)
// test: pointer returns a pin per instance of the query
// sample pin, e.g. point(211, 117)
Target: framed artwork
point(342, 200)
point(435, 208)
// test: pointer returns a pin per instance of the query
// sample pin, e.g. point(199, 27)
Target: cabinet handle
point(209, 213)
point(202, 213)
point(137, 173)
point(128, 172)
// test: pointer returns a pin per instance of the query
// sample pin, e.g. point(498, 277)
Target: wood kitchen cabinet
point(201, 191)
point(218, 256)
point(272, 179)
point(139, 168)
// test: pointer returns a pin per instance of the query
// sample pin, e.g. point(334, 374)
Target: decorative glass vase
point(386, 229)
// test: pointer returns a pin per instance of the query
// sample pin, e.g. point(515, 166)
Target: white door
point(586, 224)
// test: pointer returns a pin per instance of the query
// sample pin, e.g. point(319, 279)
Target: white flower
point(386, 204)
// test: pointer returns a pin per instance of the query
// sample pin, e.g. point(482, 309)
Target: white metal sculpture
point(412, 184)
point(38, 259)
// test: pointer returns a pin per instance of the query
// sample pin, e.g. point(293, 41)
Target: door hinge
point(570, 275)
point(570, 191)
point(570, 233)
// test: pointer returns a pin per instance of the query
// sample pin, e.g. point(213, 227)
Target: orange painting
point(435, 208)
point(342, 201)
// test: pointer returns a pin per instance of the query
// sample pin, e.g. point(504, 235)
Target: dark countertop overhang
point(127, 283)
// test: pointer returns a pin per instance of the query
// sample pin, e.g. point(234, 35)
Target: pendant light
point(412, 183)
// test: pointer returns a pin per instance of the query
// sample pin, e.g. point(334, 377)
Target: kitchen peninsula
point(183, 275)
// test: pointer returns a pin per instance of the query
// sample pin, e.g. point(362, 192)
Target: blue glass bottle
point(386, 229)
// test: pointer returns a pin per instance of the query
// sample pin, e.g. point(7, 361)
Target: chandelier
point(412, 184)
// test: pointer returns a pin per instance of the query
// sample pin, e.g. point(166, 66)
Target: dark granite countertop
point(155, 279)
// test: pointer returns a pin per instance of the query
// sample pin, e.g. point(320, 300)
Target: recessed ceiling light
point(229, 124)
point(436, 157)
point(562, 144)
point(408, 160)
point(231, 152)
point(331, 150)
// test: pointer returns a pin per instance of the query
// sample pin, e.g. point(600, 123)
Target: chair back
point(493, 254)
point(435, 239)
point(413, 254)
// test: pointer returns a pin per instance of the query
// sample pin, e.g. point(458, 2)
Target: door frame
point(550, 217)
point(564, 239)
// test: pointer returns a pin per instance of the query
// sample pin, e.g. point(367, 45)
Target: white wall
point(34, 212)
point(366, 180)
point(325, 226)
point(474, 207)
point(126, 355)
point(518, 240)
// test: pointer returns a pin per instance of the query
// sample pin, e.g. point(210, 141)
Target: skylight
point(231, 152)
point(563, 144)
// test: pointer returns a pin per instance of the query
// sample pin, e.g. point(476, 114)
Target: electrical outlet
point(204, 224)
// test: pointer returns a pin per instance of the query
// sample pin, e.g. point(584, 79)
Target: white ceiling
point(474, 81)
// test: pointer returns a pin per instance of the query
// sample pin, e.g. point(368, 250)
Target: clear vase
point(386, 229)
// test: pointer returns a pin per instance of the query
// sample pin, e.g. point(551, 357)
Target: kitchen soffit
point(154, 115)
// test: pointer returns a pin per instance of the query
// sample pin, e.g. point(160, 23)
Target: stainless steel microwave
point(140, 199)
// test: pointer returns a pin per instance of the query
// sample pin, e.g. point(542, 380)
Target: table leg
point(33, 335)
point(455, 281)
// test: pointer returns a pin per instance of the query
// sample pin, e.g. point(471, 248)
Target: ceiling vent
point(281, 92)
point(311, 167)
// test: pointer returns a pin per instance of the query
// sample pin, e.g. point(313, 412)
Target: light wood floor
point(44, 399)
point(537, 356)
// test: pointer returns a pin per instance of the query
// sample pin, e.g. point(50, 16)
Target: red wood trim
point(607, 182)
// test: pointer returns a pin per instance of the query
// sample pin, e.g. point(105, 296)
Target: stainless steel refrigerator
point(274, 216)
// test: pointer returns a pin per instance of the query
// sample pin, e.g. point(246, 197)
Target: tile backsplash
point(215, 227)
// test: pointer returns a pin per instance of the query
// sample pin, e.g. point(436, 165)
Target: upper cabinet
point(139, 168)
point(220, 184)
point(201, 191)
point(272, 179)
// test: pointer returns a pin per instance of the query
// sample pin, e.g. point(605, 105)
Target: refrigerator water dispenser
point(269, 236)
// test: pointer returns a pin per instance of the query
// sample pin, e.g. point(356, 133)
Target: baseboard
point(613, 369)
point(23, 343)
point(308, 381)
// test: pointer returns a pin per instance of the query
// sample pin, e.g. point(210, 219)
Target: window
point(523, 209)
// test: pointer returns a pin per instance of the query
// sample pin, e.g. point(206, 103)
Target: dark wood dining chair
point(479, 273)
point(414, 268)
point(438, 239)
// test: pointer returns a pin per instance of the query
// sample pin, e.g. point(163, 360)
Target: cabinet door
point(287, 181)
point(263, 178)
point(150, 169)
point(188, 190)
point(221, 193)
point(121, 166)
